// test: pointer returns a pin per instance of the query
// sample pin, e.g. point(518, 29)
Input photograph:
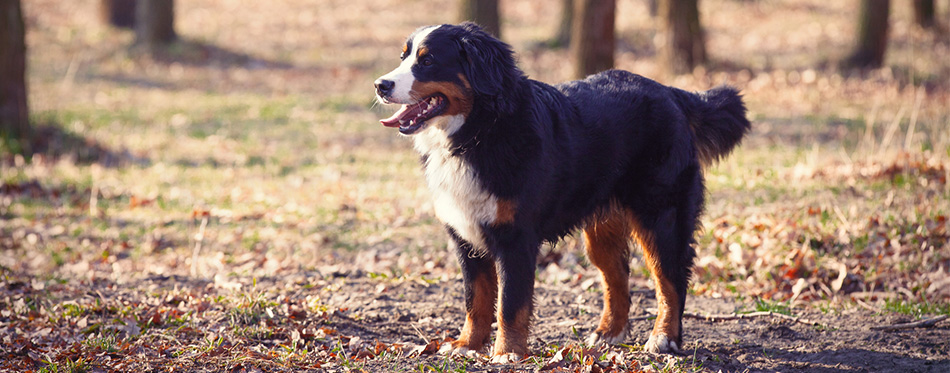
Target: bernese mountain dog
point(512, 162)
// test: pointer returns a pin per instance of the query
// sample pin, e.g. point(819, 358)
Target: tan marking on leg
point(513, 337)
point(608, 249)
point(505, 212)
point(667, 301)
point(477, 328)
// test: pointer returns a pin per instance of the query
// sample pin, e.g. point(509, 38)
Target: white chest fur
point(459, 198)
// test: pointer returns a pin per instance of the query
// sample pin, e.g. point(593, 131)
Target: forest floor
point(232, 203)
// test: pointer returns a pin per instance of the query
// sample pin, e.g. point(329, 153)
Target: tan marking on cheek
point(465, 82)
point(505, 212)
point(460, 100)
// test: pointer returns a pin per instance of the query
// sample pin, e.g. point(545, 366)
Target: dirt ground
point(839, 341)
point(404, 315)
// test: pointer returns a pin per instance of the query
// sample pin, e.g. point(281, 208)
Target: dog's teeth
point(402, 121)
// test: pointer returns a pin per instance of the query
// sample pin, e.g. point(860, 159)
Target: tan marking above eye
point(422, 52)
point(405, 48)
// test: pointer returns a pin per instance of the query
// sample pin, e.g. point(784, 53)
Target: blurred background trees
point(924, 13)
point(482, 12)
point(592, 36)
point(683, 47)
point(871, 42)
point(152, 20)
point(154, 23)
point(562, 36)
point(14, 115)
point(118, 13)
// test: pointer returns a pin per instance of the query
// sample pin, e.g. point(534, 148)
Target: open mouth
point(412, 117)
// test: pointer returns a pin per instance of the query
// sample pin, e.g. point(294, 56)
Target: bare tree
point(14, 114)
point(155, 22)
point(118, 13)
point(872, 34)
point(592, 36)
point(482, 12)
point(562, 37)
point(924, 13)
point(684, 46)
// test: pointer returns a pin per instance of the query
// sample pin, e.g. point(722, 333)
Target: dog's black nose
point(384, 87)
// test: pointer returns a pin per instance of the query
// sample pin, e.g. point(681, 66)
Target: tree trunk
point(118, 13)
point(872, 34)
point(592, 36)
point(683, 42)
point(14, 114)
point(563, 36)
point(155, 22)
point(482, 12)
point(924, 13)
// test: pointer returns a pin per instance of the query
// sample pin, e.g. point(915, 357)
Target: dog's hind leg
point(608, 244)
point(666, 240)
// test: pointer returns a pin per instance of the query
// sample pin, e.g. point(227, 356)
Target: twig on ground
point(199, 238)
point(419, 333)
point(94, 192)
point(865, 305)
point(739, 316)
point(869, 295)
point(926, 323)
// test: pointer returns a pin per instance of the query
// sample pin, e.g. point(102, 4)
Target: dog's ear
point(489, 65)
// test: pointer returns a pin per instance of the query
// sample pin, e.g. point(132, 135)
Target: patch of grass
point(447, 364)
point(762, 305)
point(103, 342)
point(250, 310)
point(255, 332)
point(71, 366)
point(916, 309)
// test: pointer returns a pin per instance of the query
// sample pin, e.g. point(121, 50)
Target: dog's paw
point(508, 358)
point(598, 338)
point(661, 344)
point(449, 349)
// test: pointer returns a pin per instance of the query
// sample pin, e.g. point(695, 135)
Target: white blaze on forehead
point(402, 76)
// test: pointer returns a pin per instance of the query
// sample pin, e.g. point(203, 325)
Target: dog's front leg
point(515, 265)
point(481, 290)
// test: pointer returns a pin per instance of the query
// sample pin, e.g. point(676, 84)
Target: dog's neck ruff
point(459, 199)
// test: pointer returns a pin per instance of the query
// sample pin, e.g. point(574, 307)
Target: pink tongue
point(405, 113)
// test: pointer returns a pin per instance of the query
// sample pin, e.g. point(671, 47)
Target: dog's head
point(446, 71)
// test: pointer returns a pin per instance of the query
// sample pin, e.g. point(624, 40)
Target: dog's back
point(620, 102)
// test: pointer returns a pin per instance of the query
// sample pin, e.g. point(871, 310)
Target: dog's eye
point(426, 61)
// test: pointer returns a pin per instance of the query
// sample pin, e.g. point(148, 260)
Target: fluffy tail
point(717, 119)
